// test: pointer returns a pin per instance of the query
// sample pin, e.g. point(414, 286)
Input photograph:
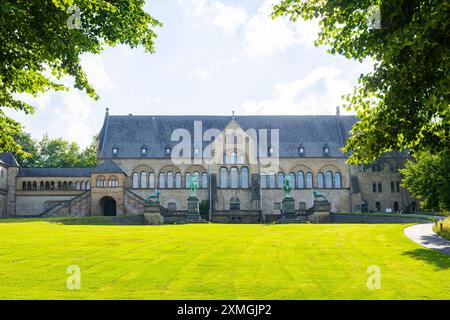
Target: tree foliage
point(404, 101)
point(37, 47)
point(428, 178)
point(54, 153)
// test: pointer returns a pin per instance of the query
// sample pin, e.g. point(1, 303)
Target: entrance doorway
point(108, 206)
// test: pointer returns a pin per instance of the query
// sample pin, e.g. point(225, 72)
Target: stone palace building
point(136, 158)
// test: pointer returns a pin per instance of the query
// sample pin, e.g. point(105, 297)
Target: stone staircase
point(65, 208)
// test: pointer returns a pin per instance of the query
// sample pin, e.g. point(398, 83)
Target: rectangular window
point(277, 206)
point(172, 206)
point(168, 151)
point(398, 186)
point(302, 205)
point(374, 187)
point(115, 150)
point(379, 187)
point(144, 150)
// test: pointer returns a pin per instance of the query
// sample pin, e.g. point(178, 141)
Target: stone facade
point(134, 164)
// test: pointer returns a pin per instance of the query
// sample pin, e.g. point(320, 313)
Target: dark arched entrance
point(108, 206)
point(378, 206)
point(395, 206)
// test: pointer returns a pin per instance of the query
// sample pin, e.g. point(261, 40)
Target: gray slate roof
point(130, 133)
point(9, 159)
point(107, 166)
point(55, 172)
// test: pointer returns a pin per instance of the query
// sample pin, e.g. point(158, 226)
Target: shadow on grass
point(106, 221)
point(435, 258)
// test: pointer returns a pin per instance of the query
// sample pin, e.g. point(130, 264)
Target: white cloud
point(318, 93)
point(227, 17)
point(264, 35)
point(96, 72)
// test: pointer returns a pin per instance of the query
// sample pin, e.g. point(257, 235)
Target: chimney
point(338, 111)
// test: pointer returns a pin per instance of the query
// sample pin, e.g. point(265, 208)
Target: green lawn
point(216, 262)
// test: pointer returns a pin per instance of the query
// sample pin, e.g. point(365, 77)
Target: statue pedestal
point(288, 205)
point(193, 210)
point(152, 213)
point(322, 205)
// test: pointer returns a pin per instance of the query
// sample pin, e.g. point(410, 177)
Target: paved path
point(423, 234)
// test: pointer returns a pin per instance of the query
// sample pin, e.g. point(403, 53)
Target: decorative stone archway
point(108, 206)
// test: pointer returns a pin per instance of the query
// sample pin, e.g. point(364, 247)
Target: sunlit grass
point(213, 261)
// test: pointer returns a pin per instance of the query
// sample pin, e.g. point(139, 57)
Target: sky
point(212, 58)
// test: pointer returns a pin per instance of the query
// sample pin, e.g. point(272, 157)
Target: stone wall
point(35, 205)
point(373, 218)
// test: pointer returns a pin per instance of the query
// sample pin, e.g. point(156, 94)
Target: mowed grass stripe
point(214, 261)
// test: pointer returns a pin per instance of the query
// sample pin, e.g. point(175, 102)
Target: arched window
point(178, 180)
point(204, 180)
point(52, 185)
point(234, 157)
point(328, 180)
point(70, 185)
point(320, 180)
point(337, 180)
point(47, 185)
point(88, 185)
point(244, 177)
point(234, 177)
point(135, 180)
point(300, 180)
point(41, 185)
point(100, 182)
point(196, 175)
point(241, 159)
point(82, 185)
point(263, 180)
point(162, 183)
point(143, 180)
point(223, 177)
point(280, 179)
point(170, 179)
point(59, 185)
point(272, 180)
point(292, 175)
point(65, 185)
point(225, 158)
point(35, 185)
point(188, 180)
point(309, 180)
point(151, 180)
point(113, 182)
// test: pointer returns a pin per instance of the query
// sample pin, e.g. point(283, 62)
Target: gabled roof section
point(107, 166)
point(55, 172)
point(129, 133)
point(9, 159)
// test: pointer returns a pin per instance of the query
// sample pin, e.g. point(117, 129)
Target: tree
point(41, 41)
point(58, 153)
point(404, 101)
point(54, 153)
point(88, 157)
point(428, 178)
point(30, 155)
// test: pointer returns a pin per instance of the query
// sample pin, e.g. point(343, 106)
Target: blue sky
point(212, 57)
